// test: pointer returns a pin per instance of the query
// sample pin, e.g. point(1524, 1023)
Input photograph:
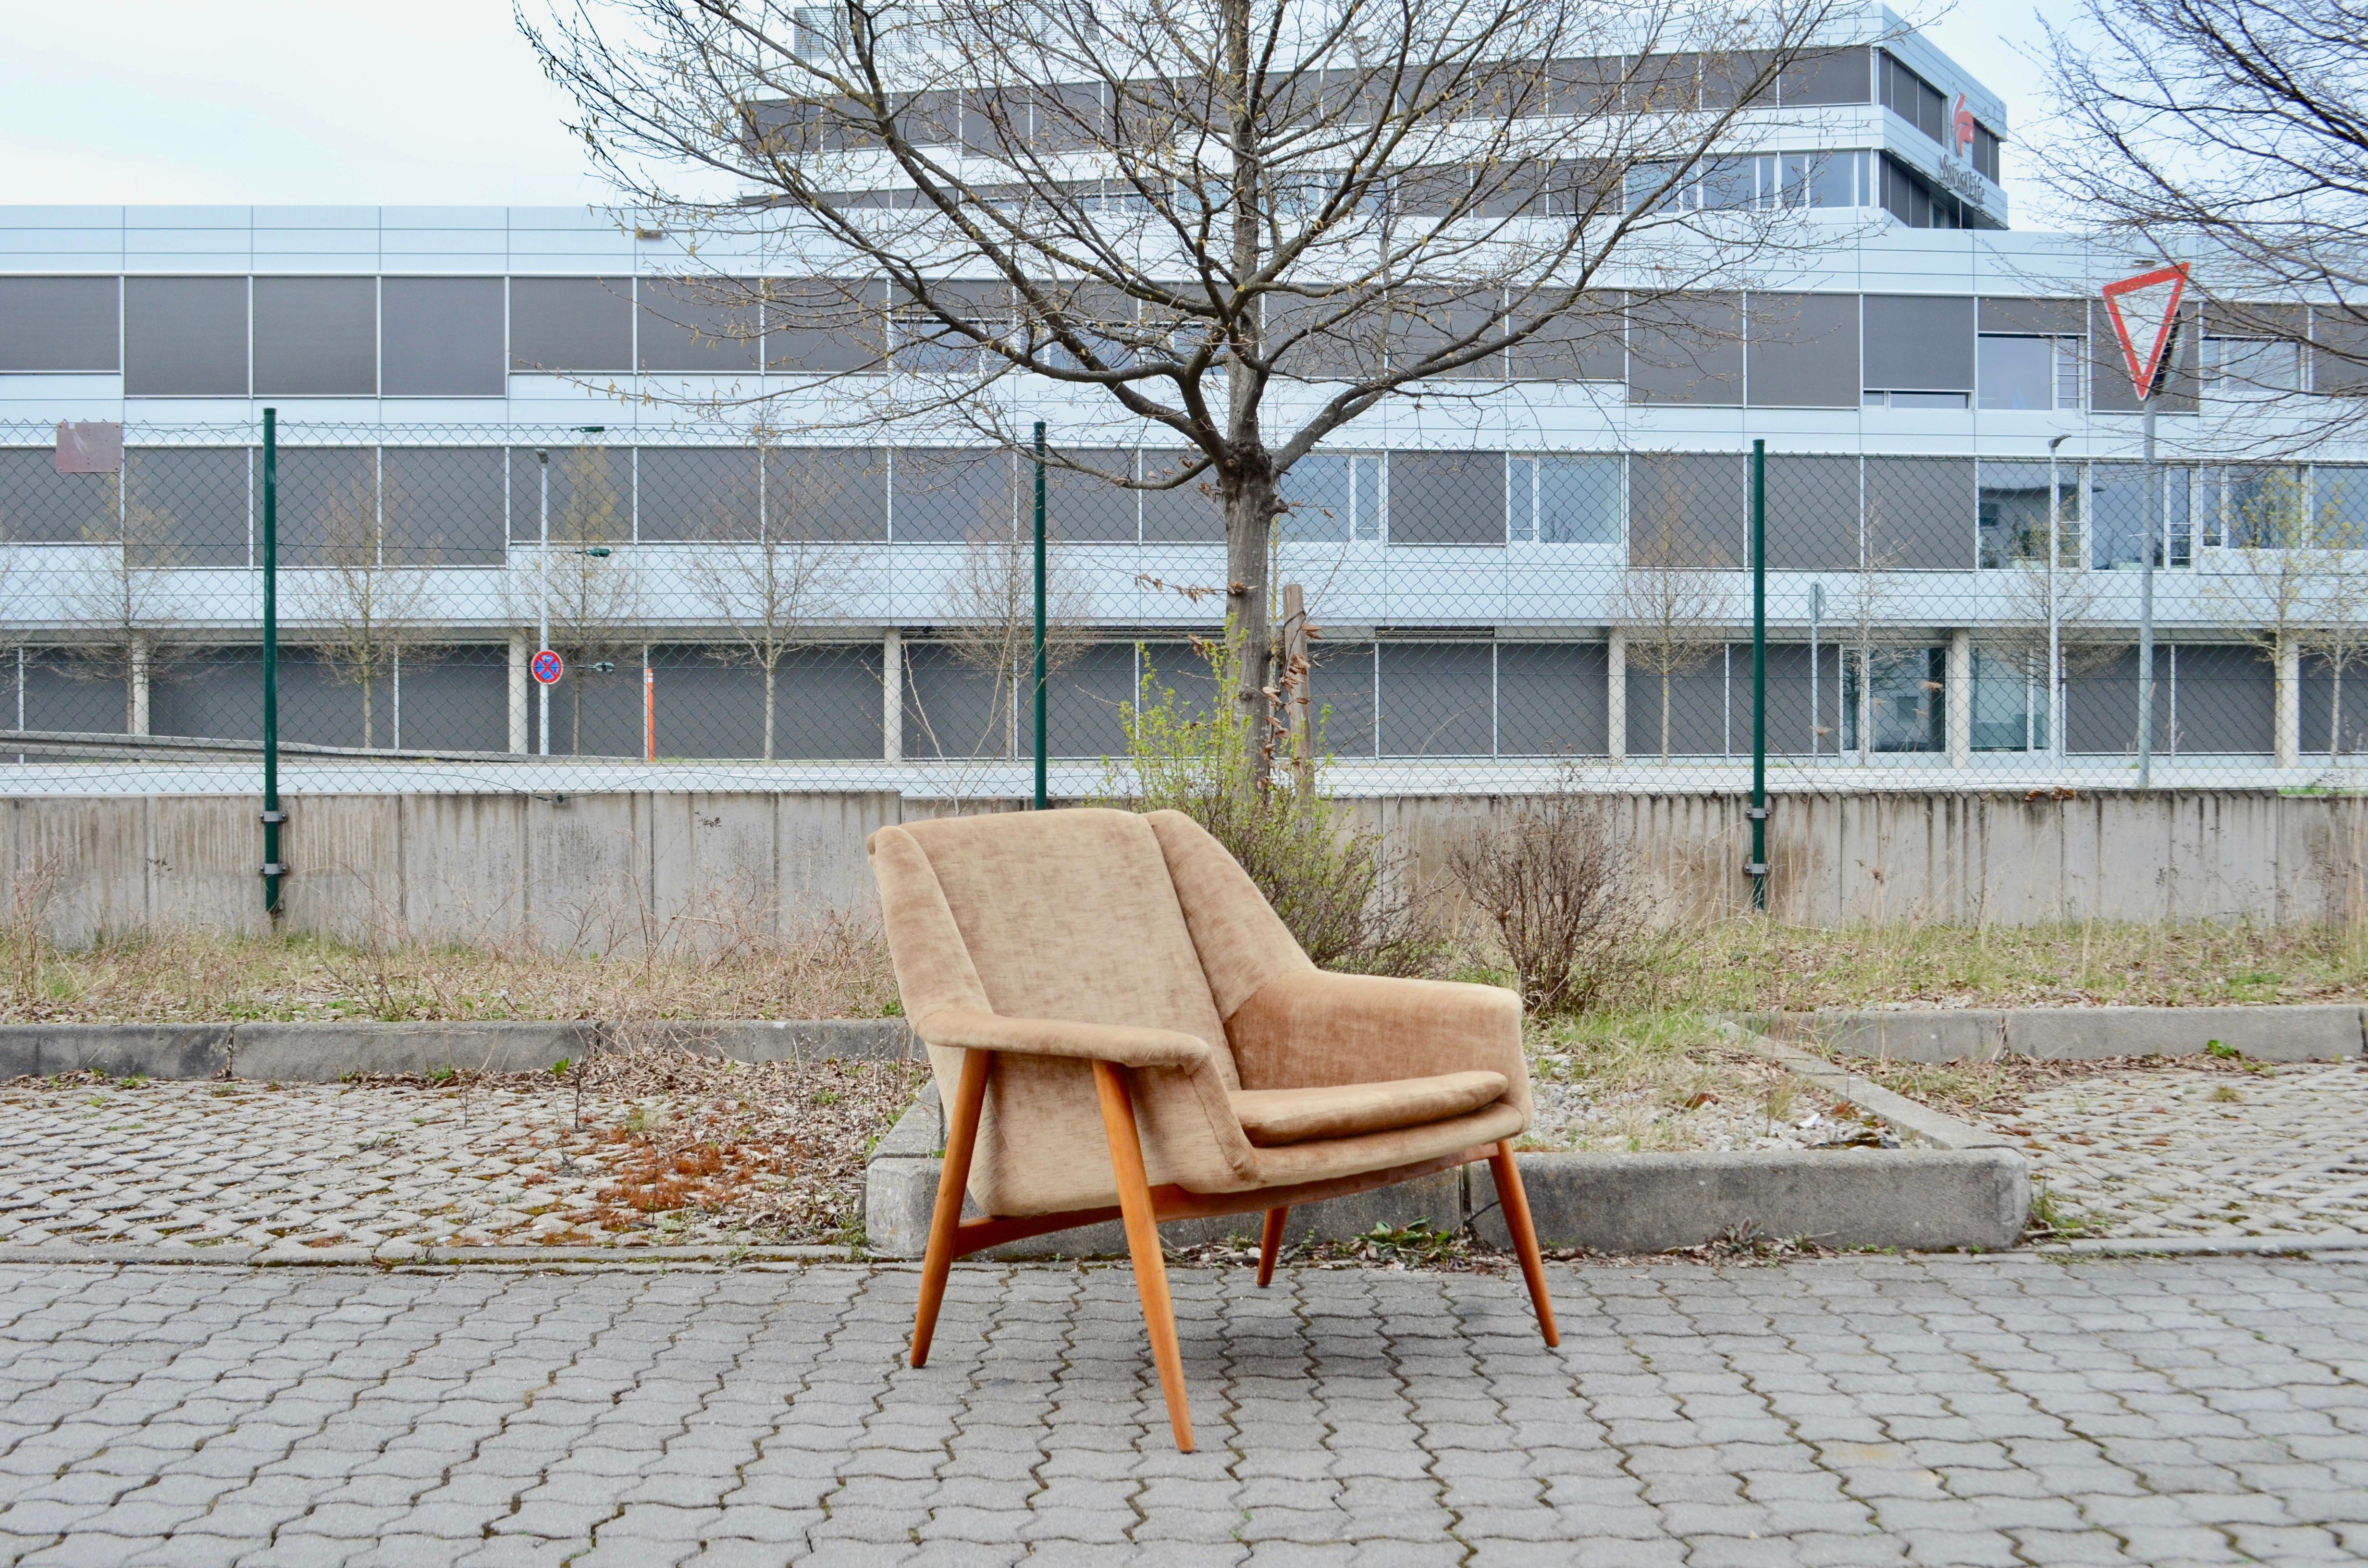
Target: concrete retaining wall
point(2334, 1032)
point(615, 870)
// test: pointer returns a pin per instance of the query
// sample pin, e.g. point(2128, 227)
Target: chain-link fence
point(802, 615)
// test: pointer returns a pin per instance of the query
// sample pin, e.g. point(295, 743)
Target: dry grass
point(2000, 1087)
point(836, 969)
point(1750, 966)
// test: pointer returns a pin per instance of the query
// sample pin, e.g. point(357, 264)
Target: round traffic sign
point(548, 667)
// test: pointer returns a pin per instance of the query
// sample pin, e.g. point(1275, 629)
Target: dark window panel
point(1728, 77)
point(1438, 699)
point(1080, 508)
point(698, 325)
point(443, 505)
point(1178, 673)
point(1812, 512)
point(696, 493)
point(2339, 352)
point(826, 702)
point(2101, 702)
point(927, 339)
point(947, 494)
point(63, 693)
point(1186, 514)
point(1803, 717)
point(1664, 84)
point(329, 505)
point(2333, 723)
point(60, 325)
point(571, 324)
point(1340, 686)
point(1586, 86)
point(2224, 700)
point(1826, 77)
point(1586, 342)
point(217, 694)
point(40, 505)
point(826, 493)
point(1689, 510)
point(1086, 701)
point(1428, 322)
point(595, 713)
point(591, 498)
point(185, 337)
point(1803, 350)
point(454, 699)
point(197, 503)
point(1320, 340)
point(441, 338)
point(825, 324)
point(1921, 514)
point(953, 707)
point(1919, 343)
point(317, 337)
point(1682, 713)
point(1686, 348)
point(1553, 699)
point(2042, 318)
point(1447, 498)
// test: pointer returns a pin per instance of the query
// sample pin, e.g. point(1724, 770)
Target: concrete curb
point(2301, 1033)
point(402, 1254)
point(2206, 1246)
point(1964, 1189)
point(324, 1052)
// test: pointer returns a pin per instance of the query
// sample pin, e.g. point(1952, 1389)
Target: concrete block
point(799, 1039)
point(1896, 1034)
point(2266, 1034)
point(1642, 1203)
point(154, 1050)
point(320, 1053)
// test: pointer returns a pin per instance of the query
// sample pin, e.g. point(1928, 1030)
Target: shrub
point(1339, 891)
point(1559, 884)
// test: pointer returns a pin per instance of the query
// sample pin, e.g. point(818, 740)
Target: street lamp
point(2055, 618)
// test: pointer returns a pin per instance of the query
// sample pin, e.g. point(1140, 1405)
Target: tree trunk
point(1247, 492)
point(772, 669)
point(2335, 713)
point(1665, 710)
point(369, 730)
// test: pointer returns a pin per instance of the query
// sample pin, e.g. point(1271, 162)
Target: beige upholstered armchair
point(1121, 1027)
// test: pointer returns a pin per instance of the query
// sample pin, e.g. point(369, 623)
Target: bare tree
point(120, 598)
point(990, 608)
point(2295, 585)
point(362, 605)
point(1676, 609)
point(2338, 634)
point(768, 591)
point(2242, 126)
point(1178, 210)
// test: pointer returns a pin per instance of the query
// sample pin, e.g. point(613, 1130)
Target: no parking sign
point(548, 667)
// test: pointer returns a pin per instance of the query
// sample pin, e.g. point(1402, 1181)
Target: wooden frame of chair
point(1141, 1207)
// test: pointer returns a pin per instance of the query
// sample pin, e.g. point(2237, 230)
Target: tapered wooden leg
point(1143, 1242)
point(1270, 1243)
point(961, 1136)
point(1516, 1203)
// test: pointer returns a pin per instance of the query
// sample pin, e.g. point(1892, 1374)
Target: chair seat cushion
point(1271, 1118)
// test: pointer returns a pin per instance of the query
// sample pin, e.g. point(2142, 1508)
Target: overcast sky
point(427, 101)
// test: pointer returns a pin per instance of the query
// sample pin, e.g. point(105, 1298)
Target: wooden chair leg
point(1143, 1243)
point(961, 1137)
point(1270, 1243)
point(1515, 1201)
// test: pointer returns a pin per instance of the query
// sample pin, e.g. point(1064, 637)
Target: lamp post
point(2054, 611)
point(542, 599)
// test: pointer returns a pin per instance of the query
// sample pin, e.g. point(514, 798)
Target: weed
point(2050, 1219)
point(2224, 1094)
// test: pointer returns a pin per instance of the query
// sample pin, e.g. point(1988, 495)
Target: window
point(1686, 349)
point(1553, 699)
point(559, 324)
point(2013, 512)
point(1813, 179)
point(826, 493)
point(696, 492)
point(1902, 691)
point(2248, 366)
point(443, 504)
point(1921, 514)
point(1645, 191)
point(441, 338)
point(816, 32)
point(1985, 153)
point(1438, 699)
point(1184, 514)
point(825, 324)
point(185, 337)
point(1825, 76)
point(947, 494)
point(317, 337)
point(1566, 500)
point(1803, 350)
point(2016, 372)
point(1333, 497)
point(1919, 351)
point(1084, 508)
point(1908, 197)
point(1913, 100)
point(697, 326)
point(926, 341)
point(60, 325)
point(2009, 702)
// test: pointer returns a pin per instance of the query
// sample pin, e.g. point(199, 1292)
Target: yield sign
point(2143, 309)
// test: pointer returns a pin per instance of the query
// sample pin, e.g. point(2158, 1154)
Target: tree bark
point(772, 672)
point(1247, 492)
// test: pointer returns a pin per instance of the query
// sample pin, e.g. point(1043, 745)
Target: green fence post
point(1759, 867)
point(272, 815)
point(1039, 616)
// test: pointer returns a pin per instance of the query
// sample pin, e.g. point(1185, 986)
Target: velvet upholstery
point(1058, 939)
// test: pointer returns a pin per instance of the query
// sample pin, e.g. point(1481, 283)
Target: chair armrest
point(971, 1028)
point(1313, 1028)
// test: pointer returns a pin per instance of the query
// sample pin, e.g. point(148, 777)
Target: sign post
point(2144, 313)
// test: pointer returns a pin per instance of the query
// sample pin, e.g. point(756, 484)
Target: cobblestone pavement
point(1858, 1410)
point(320, 1164)
point(2178, 1153)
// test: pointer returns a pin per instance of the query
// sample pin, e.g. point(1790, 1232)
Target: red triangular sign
point(2143, 309)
